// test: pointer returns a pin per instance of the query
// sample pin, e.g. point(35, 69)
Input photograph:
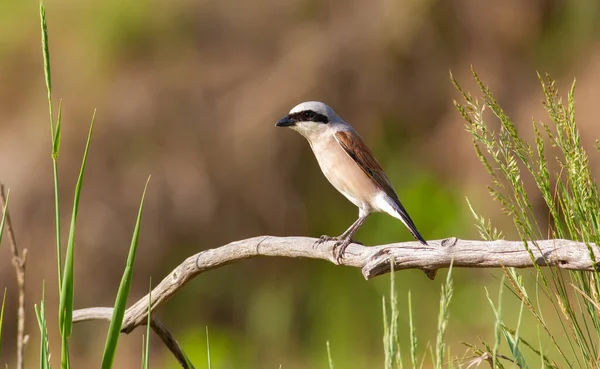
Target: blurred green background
point(189, 92)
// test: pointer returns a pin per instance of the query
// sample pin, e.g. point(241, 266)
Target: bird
point(349, 165)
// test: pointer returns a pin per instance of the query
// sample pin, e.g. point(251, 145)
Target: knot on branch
point(449, 242)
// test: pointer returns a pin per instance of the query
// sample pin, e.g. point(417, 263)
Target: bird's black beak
point(286, 122)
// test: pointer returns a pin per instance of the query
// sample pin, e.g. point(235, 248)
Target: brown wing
point(362, 155)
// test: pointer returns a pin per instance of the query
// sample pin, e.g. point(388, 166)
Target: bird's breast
point(344, 173)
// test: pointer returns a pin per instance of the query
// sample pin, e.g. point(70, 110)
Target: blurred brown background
point(189, 91)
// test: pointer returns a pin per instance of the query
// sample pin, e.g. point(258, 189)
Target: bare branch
point(161, 330)
point(18, 262)
point(373, 261)
point(105, 313)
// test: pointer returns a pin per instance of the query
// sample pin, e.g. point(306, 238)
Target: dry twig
point(374, 261)
point(18, 261)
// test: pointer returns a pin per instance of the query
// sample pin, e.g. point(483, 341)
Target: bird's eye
point(308, 115)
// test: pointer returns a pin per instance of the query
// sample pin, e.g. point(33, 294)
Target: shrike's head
point(312, 119)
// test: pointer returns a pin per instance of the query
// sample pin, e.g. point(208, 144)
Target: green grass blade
point(44, 341)
point(114, 329)
point(394, 339)
point(39, 318)
point(143, 351)
point(513, 344)
point(516, 351)
point(446, 297)
point(55, 147)
point(146, 357)
point(391, 344)
point(386, 333)
point(65, 312)
point(66, 296)
point(56, 135)
point(498, 322)
point(2, 318)
point(65, 360)
point(541, 347)
point(497, 325)
point(208, 349)
point(413, 334)
point(329, 356)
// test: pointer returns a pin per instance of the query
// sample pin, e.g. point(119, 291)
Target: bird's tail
point(402, 214)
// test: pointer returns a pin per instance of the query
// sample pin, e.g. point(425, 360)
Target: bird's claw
point(325, 238)
point(339, 248)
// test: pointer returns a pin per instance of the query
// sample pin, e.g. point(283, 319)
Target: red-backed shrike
point(349, 166)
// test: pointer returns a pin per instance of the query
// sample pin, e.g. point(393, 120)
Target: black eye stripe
point(321, 118)
point(309, 116)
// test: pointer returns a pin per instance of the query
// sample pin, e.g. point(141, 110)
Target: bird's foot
point(339, 248)
point(325, 238)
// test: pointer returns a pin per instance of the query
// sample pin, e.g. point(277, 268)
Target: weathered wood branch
point(373, 261)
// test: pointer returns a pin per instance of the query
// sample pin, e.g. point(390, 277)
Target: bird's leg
point(350, 230)
point(346, 238)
